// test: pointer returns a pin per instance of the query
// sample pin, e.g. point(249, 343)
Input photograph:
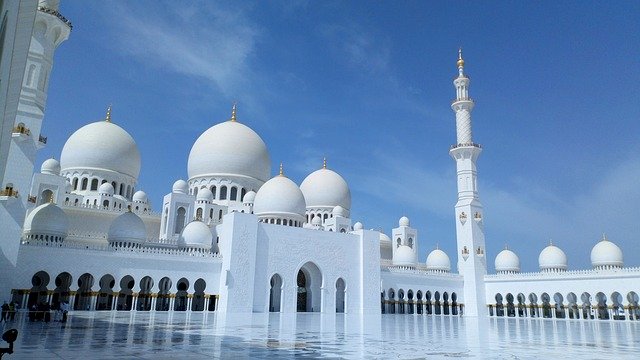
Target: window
point(180, 218)
point(243, 193)
point(199, 214)
point(234, 193)
point(223, 193)
point(94, 184)
point(213, 191)
point(75, 183)
point(85, 182)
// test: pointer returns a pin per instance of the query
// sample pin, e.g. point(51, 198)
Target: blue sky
point(369, 86)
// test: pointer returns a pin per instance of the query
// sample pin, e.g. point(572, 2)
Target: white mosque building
point(233, 238)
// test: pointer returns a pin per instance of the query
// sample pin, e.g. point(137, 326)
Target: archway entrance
point(275, 293)
point(309, 295)
point(340, 295)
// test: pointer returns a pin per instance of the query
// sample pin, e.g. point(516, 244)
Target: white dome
point(326, 188)
point(101, 145)
point(404, 221)
point(140, 196)
point(404, 256)
point(229, 148)
point(316, 221)
point(384, 238)
point(279, 196)
point(358, 226)
point(438, 260)
point(196, 235)
point(552, 258)
point(50, 166)
point(507, 261)
point(47, 219)
point(204, 195)
point(106, 189)
point(249, 197)
point(180, 186)
point(128, 228)
point(606, 253)
point(339, 211)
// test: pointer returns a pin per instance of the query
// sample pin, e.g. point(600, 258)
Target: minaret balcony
point(57, 14)
point(460, 145)
point(465, 99)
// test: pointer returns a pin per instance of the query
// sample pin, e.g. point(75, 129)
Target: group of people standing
point(43, 310)
point(9, 311)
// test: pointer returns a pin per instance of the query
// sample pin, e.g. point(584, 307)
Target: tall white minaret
point(469, 222)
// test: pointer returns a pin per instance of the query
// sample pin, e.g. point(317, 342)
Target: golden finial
point(233, 112)
point(324, 163)
point(281, 170)
point(604, 237)
point(108, 117)
point(550, 242)
point(460, 60)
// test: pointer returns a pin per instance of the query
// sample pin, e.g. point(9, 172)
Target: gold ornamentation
point(108, 116)
point(233, 112)
point(460, 60)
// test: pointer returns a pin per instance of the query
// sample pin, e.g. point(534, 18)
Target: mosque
point(233, 238)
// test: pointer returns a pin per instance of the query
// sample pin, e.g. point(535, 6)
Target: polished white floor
point(140, 335)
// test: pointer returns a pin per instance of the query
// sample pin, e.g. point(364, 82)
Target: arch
point(522, 305)
point(410, 308)
point(74, 184)
point(105, 204)
point(437, 306)
point(533, 305)
point(428, 305)
point(445, 303)
point(341, 292)
point(128, 192)
point(181, 295)
point(233, 194)
point(94, 184)
point(181, 214)
point(61, 292)
point(39, 291)
point(559, 305)
point(197, 302)
point(46, 197)
point(199, 214)
point(546, 307)
point(309, 281)
point(164, 294)
point(499, 305)
point(105, 294)
point(144, 296)
point(223, 192)
point(401, 301)
point(587, 310)
point(125, 295)
point(84, 294)
point(213, 191)
point(275, 293)
point(243, 192)
point(617, 307)
point(572, 306)
point(419, 309)
point(392, 301)
point(511, 309)
point(410, 242)
point(454, 304)
point(601, 300)
point(85, 182)
point(634, 311)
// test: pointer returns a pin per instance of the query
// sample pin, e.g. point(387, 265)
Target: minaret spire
point(469, 234)
point(234, 108)
point(324, 163)
point(281, 170)
point(108, 116)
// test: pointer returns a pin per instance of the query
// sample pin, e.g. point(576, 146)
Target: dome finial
point(604, 237)
point(108, 116)
point(460, 62)
point(281, 170)
point(550, 242)
point(324, 163)
point(437, 246)
point(233, 111)
point(506, 247)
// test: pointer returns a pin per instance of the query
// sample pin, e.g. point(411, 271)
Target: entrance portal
point(309, 294)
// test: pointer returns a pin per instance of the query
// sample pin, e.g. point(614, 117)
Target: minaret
point(469, 226)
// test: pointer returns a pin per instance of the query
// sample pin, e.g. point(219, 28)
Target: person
point(64, 306)
point(5, 312)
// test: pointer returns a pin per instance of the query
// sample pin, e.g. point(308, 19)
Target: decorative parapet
point(70, 204)
point(57, 14)
point(455, 146)
point(122, 249)
point(565, 274)
point(419, 270)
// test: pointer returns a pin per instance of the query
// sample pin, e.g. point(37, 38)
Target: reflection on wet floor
point(140, 335)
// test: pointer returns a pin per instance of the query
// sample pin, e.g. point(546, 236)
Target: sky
point(368, 84)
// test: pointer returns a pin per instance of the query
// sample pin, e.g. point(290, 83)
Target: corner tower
point(469, 226)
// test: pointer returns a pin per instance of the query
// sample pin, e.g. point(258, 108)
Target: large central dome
point(101, 145)
point(230, 148)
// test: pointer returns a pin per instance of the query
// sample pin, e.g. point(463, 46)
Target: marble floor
point(140, 335)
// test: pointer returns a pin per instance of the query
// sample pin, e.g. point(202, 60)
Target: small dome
point(106, 189)
point(180, 187)
point(404, 256)
point(279, 196)
point(229, 148)
point(51, 167)
point(101, 145)
point(316, 221)
point(326, 188)
point(196, 235)
point(140, 197)
point(204, 195)
point(249, 197)
point(507, 261)
point(358, 226)
point(606, 253)
point(128, 228)
point(339, 211)
point(384, 238)
point(404, 221)
point(47, 219)
point(552, 258)
point(438, 260)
